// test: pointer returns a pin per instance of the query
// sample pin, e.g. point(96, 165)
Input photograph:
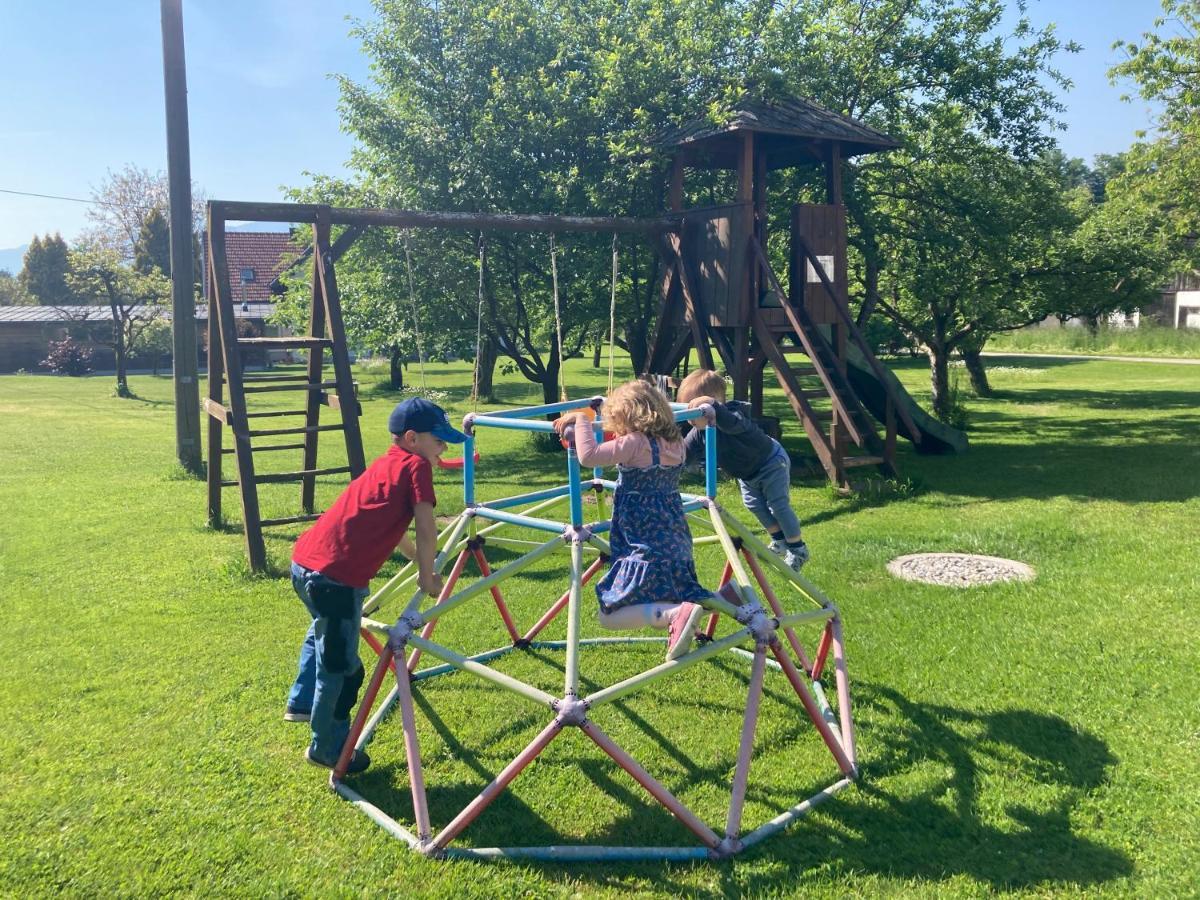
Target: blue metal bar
point(573, 485)
point(525, 412)
point(532, 497)
point(690, 505)
point(686, 415)
point(434, 671)
point(581, 853)
point(598, 430)
point(514, 424)
point(517, 519)
point(710, 461)
point(469, 471)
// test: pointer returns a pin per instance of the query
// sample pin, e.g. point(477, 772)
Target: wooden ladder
point(326, 333)
point(849, 418)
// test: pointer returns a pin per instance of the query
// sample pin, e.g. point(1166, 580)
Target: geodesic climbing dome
point(748, 627)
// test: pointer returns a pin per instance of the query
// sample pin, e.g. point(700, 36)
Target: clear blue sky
point(83, 93)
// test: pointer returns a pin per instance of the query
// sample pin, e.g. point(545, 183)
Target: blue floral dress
point(651, 542)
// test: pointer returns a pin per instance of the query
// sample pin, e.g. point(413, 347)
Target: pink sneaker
point(682, 630)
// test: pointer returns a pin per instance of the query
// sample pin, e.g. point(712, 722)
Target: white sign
point(826, 265)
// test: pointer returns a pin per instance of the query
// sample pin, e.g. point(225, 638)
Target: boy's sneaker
point(292, 714)
point(358, 762)
point(797, 557)
point(682, 630)
point(779, 548)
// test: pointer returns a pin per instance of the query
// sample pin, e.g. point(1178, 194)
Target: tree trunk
point(596, 354)
point(119, 355)
point(485, 370)
point(939, 377)
point(396, 367)
point(975, 368)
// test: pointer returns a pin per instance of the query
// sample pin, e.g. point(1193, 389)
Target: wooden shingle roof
point(793, 132)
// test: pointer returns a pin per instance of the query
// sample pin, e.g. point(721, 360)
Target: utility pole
point(183, 301)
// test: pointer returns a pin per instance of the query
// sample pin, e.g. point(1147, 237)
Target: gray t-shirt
point(742, 447)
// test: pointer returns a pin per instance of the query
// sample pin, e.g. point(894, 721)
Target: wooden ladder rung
point(272, 377)
point(286, 341)
point(267, 447)
point(851, 461)
point(289, 520)
point(306, 429)
point(281, 477)
point(310, 386)
point(276, 412)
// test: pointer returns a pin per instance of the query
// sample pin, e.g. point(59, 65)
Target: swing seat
point(456, 463)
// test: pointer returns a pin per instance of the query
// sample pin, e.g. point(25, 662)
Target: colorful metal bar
point(485, 570)
point(573, 475)
point(741, 774)
point(376, 815)
point(374, 643)
point(581, 853)
point(621, 688)
point(746, 654)
point(412, 752)
point(364, 710)
point(646, 780)
point(823, 647)
point(467, 665)
point(776, 607)
point(531, 497)
point(447, 590)
point(512, 423)
point(445, 668)
point(408, 574)
point(786, 818)
point(594, 642)
point(575, 592)
point(731, 554)
point(710, 461)
point(525, 412)
point(497, 575)
point(561, 602)
point(524, 521)
point(806, 587)
point(469, 470)
point(499, 783)
point(842, 678)
point(814, 712)
point(381, 713)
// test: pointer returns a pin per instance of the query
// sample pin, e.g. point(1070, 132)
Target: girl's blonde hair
point(640, 407)
point(701, 383)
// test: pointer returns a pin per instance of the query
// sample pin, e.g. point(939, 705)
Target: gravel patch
point(958, 569)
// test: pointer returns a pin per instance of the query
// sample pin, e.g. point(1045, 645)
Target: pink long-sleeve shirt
point(627, 450)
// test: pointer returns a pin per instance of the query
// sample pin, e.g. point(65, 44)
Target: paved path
point(1142, 359)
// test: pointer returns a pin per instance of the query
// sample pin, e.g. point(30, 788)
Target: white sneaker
point(779, 548)
point(797, 557)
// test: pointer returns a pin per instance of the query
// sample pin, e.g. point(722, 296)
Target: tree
point(44, 274)
point(11, 291)
point(124, 202)
point(135, 301)
point(1161, 174)
point(152, 249)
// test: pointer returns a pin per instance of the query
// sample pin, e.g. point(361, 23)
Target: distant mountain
point(13, 258)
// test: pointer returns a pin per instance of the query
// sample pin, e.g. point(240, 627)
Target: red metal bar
point(646, 780)
point(485, 570)
point(737, 798)
point(711, 628)
point(447, 590)
point(375, 644)
point(412, 752)
point(810, 706)
point(501, 781)
point(843, 690)
point(761, 577)
point(822, 651)
point(561, 603)
point(364, 711)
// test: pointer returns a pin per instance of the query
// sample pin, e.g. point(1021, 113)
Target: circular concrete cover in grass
point(958, 569)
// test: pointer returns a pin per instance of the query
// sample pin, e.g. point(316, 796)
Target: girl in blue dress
point(651, 581)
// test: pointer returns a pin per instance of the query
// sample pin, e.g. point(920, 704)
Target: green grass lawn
point(1041, 738)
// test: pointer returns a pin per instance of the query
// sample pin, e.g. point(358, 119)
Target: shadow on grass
point(947, 792)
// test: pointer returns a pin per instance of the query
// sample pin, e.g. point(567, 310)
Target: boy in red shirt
point(334, 561)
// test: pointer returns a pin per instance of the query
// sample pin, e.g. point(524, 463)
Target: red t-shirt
point(354, 537)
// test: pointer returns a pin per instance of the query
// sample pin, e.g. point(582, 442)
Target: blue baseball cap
point(418, 414)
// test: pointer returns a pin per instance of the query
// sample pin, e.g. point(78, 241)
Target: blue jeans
point(767, 494)
point(330, 673)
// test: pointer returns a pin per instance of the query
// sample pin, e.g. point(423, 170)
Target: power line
point(71, 199)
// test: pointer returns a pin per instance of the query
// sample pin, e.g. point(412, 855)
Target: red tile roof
point(266, 252)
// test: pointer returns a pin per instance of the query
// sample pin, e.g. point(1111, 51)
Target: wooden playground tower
point(716, 284)
point(719, 291)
